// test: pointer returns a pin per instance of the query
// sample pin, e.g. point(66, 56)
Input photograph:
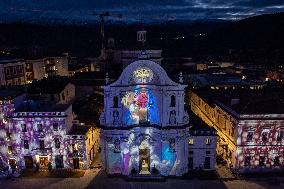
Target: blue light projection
point(168, 159)
point(153, 109)
point(141, 106)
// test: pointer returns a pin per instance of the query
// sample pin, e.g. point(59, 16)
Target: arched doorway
point(144, 158)
point(144, 161)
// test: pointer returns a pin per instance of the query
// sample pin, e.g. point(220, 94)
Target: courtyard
point(94, 178)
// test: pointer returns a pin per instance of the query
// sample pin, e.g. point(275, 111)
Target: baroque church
point(145, 128)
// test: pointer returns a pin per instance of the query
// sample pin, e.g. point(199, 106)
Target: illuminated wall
point(28, 129)
point(144, 94)
point(202, 146)
point(92, 143)
point(122, 150)
point(222, 121)
point(261, 142)
point(141, 106)
point(168, 150)
point(6, 109)
point(137, 107)
point(235, 144)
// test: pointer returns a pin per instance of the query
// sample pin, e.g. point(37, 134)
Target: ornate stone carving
point(172, 118)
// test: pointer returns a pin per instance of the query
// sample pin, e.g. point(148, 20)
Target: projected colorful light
point(23, 129)
point(266, 143)
point(6, 109)
point(168, 159)
point(143, 75)
point(146, 146)
point(141, 105)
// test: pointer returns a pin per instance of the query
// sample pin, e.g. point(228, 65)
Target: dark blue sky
point(133, 10)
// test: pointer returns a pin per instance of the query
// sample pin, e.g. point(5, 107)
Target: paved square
point(95, 179)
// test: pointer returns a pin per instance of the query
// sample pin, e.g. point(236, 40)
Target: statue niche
point(115, 116)
point(172, 118)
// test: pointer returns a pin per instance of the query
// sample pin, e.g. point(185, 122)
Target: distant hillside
point(31, 40)
point(257, 39)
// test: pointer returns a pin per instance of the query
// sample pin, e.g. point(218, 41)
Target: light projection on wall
point(48, 134)
point(168, 158)
point(6, 109)
point(143, 75)
point(260, 146)
point(141, 105)
point(144, 145)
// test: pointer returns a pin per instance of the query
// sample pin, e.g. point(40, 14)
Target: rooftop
point(10, 60)
point(253, 105)
point(219, 79)
point(51, 85)
point(78, 129)
point(93, 78)
point(10, 93)
point(199, 127)
point(36, 107)
point(266, 101)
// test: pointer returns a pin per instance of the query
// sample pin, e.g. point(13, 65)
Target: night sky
point(135, 10)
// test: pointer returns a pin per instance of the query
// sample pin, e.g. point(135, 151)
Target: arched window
point(279, 135)
point(173, 101)
point(115, 102)
point(264, 136)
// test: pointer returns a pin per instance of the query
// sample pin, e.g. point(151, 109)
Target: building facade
point(56, 66)
point(260, 145)
point(41, 137)
point(37, 69)
point(9, 100)
point(202, 149)
point(34, 135)
point(12, 72)
point(52, 90)
point(34, 70)
point(250, 133)
point(144, 127)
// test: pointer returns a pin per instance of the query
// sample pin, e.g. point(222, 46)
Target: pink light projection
point(138, 104)
point(126, 159)
point(142, 100)
point(260, 143)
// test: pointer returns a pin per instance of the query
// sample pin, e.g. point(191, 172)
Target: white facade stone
point(144, 126)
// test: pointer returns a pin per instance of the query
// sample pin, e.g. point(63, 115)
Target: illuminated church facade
point(144, 126)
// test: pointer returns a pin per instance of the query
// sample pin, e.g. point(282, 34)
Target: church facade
point(144, 127)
